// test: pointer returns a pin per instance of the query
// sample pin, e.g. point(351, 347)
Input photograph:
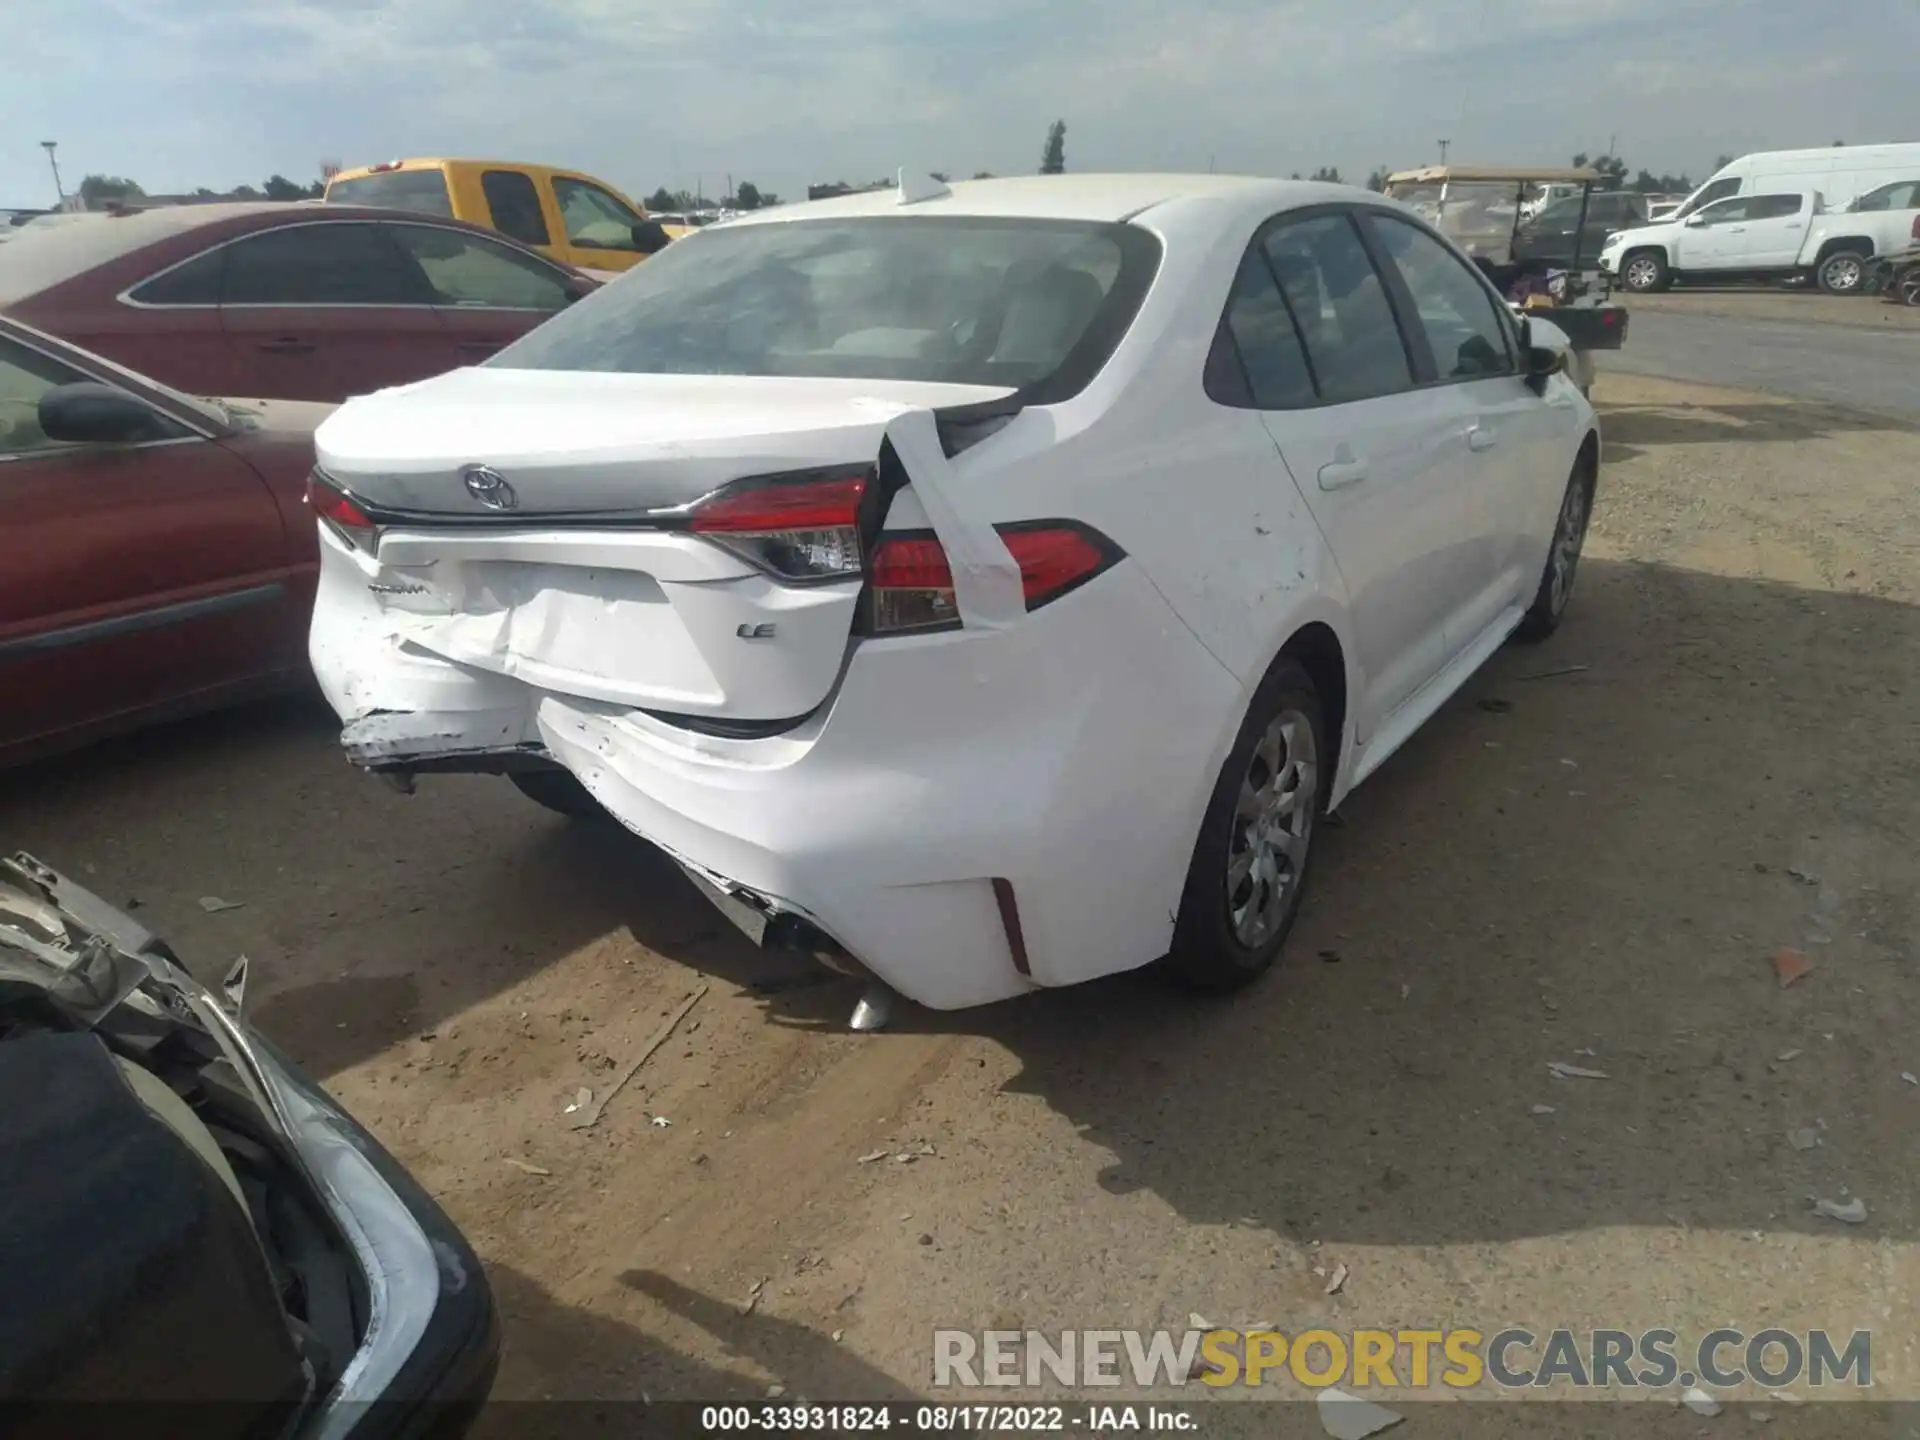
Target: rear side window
point(1264, 339)
point(424, 191)
point(323, 264)
point(197, 282)
point(1464, 329)
point(515, 206)
point(468, 270)
point(1336, 297)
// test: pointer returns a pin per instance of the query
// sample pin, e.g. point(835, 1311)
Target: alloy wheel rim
point(1640, 273)
point(1843, 274)
point(1568, 537)
point(1272, 828)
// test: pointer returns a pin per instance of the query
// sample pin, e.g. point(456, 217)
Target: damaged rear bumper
point(971, 815)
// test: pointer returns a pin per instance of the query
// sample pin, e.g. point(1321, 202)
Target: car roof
point(1053, 197)
point(1529, 174)
point(40, 257)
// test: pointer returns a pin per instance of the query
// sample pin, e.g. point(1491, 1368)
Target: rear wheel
point(1563, 557)
point(558, 791)
point(1645, 271)
point(1250, 862)
point(1842, 272)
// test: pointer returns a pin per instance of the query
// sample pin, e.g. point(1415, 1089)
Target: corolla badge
point(490, 487)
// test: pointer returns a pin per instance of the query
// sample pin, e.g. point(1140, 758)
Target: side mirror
point(578, 287)
point(649, 238)
point(89, 413)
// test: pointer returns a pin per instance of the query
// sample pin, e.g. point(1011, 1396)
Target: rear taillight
point(912, 584)
point(338, 509)
point(799, 528)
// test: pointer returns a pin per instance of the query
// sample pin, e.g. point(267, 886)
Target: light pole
point(1443, 150)
point(48, 146)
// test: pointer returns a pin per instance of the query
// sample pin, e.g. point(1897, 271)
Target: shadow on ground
point(1629, 430)
point(1597, 874)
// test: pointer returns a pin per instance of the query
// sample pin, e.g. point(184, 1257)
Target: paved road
point(1867, 369)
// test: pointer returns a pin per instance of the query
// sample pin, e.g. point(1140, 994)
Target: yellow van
point(573, 218)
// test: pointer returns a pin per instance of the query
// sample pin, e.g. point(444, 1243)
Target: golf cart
point(1482, 210)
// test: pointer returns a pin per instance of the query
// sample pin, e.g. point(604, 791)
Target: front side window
point(468, 270)
point(323, 264)
point(1465, 331)
point(1341, 308)
point(595, 220)
point(422, 191)
point(1726, 212)
point(1717, 190)
point(514, 204)
point(1901, 195)
point(992, 301)
point(25, 376)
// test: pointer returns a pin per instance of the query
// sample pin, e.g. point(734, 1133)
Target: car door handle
point(1342, 473)
point(287, 345)
point(1480, 438)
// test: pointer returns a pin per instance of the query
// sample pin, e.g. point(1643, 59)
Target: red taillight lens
point(913, 585)
point(338, 509)
point(800, 529)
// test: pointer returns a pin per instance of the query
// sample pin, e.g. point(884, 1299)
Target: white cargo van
point(1838, 173)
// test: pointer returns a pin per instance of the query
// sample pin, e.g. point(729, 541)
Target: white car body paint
point(1070, 751)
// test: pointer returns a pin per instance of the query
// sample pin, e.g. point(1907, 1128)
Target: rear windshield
point(991, 301)
point(422, 191)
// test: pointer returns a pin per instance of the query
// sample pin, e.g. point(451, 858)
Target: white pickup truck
point(1769, 237)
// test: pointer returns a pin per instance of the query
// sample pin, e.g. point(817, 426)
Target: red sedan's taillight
point(799, 528)
point(338, 509)
point(912, 584)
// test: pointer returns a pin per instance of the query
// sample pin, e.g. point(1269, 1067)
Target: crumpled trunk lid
point(574, 443)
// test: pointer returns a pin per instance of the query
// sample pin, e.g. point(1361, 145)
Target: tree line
point(104, 189)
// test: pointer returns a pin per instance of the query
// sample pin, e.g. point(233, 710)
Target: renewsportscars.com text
point(1513, 1358)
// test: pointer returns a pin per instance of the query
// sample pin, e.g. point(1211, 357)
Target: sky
point(683, 93)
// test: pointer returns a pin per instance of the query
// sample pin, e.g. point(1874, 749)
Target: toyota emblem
point(490, 487)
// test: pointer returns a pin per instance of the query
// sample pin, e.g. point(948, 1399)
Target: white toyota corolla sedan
point(987, 587)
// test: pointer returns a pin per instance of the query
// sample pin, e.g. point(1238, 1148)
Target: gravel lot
point(1599, 872)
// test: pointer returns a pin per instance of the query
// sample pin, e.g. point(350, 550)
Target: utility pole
point(1443, 150)
point(48, 146)
point(729, 199)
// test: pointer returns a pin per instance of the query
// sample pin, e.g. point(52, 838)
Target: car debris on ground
point(1348, 1417)
point(1854, 1212)
point(589, 1112)
point(1561, 1070)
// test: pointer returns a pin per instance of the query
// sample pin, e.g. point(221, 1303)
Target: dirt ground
point(1598, 871)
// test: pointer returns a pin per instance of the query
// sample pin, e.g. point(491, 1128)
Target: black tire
point(1551, 597)
point(1208, 951)
point(1644, 272)
point(558, 791)
point(1842, 272)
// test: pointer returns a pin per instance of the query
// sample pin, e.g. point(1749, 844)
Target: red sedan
point(159, 556)
point(300, 302)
